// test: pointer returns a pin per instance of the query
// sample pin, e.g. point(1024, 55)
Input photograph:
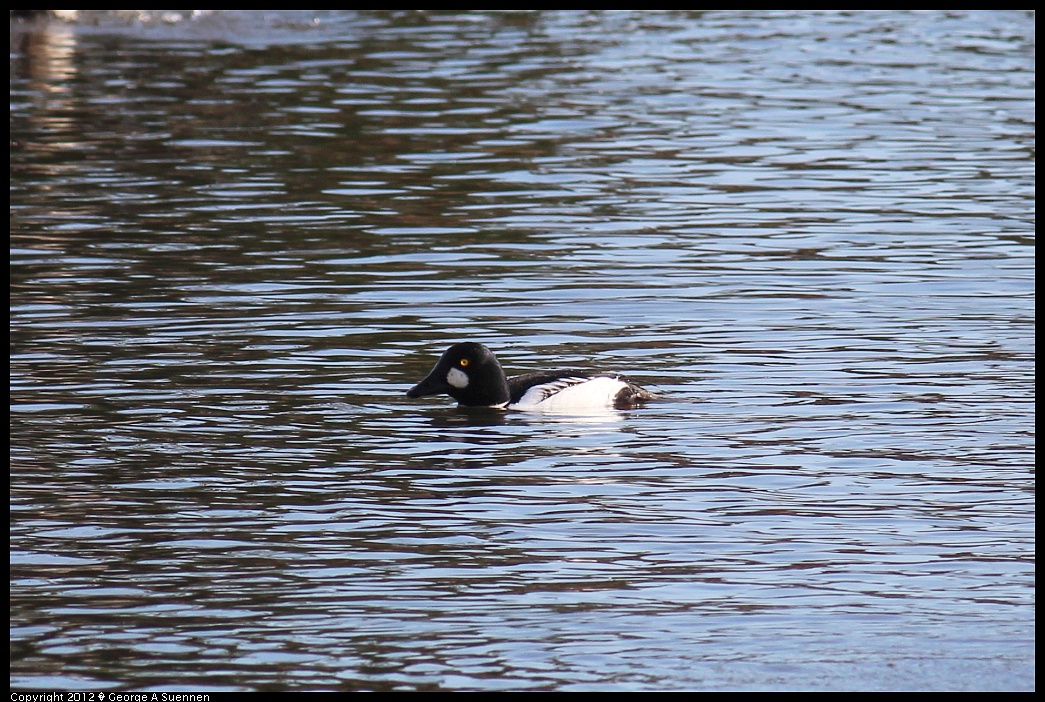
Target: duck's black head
point(470, 374)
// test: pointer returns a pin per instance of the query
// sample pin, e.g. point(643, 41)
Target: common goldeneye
point(470, 373)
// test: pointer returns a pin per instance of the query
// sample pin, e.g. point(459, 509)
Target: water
point(238, 238)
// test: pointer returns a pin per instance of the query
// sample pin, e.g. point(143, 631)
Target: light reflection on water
point(810, 232)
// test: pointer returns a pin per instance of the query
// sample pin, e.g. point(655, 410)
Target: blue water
point(237, 239)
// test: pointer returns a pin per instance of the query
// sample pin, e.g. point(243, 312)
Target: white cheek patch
point(457, 378)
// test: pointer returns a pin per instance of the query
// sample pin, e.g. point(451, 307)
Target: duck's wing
point(539, 386)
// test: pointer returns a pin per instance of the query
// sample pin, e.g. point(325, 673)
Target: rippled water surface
point(238, 238)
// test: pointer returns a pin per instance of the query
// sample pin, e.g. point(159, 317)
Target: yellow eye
point(464, 362)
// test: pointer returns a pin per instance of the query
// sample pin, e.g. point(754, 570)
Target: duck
point(471, 374)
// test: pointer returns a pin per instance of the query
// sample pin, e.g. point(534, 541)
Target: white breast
point(571, 393)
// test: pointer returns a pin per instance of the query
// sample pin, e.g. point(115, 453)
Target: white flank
point(457, 378)
point(571, 394)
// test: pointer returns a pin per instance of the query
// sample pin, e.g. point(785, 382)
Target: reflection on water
point(237, 239)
